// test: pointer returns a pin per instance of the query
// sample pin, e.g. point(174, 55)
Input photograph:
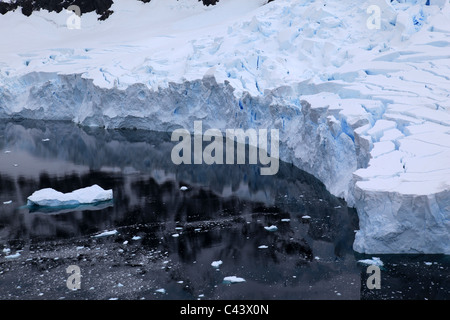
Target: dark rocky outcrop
point(101, 7)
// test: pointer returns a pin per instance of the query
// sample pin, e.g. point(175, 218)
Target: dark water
point(221, 216)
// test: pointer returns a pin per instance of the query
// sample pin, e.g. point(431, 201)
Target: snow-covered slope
point(365, 110)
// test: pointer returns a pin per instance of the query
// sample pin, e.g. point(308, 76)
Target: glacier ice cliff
point(365, 111)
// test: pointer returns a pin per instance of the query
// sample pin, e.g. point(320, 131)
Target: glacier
point(366, 111)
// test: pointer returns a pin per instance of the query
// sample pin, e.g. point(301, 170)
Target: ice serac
point(49, 197)
point(365, 110)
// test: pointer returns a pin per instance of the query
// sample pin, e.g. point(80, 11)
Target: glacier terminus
point(365, 110)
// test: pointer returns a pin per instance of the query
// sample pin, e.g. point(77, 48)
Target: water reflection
point(137, 166)
point(221, 216)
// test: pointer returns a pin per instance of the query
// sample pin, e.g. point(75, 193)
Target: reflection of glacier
point(137, 165)
point(364, 111)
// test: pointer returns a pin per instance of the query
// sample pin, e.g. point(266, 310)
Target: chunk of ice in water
point(216, 264)
point(233, 279)
point(271, 228)
point(106, 233)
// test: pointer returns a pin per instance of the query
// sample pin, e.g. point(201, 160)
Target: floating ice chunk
point(183, 188)
point(45, 140)
point(175, 235)
point(216, 264)
point(263, 247)
point(7, 250)
point(428, 263)
point(306, 217)
point(13, 256)
point(7, 151)
point(136, 238)
point(374, 261)
point(162, 290)
point(271, 228)
point(51, 198)
point(285, 220)
point(7, 202)
point(233, 279)
point(106, 233)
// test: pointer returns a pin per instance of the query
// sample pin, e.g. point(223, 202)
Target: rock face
point(101, 7)
point(364, 110)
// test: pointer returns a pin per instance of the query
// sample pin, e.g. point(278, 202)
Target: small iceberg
point(374, 261)
point(106, 234)
point(13, 256)
point(216, 264)
point(271, 228)
point(233, 279)
point(183, 188)
point(51, 198)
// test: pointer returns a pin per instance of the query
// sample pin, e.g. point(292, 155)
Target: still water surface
point(167, 239)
